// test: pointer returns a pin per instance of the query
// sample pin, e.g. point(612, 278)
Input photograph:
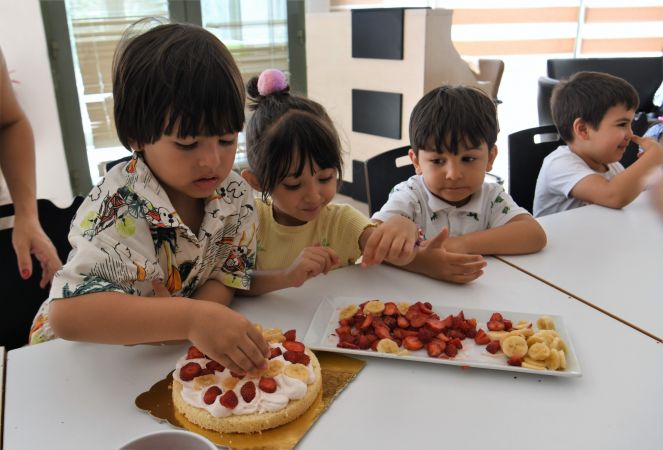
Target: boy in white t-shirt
point(593, 113)
point(453, 130)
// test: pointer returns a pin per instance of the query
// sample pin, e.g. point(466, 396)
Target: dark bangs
point(176, 77)
point(450, 116)
point(296, 136)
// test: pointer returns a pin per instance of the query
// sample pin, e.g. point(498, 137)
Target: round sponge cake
point(217, 399)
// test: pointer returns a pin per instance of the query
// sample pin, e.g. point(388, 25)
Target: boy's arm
point(624, 187)
point(214, 291)
point(117, 318)
point(435, 261)
point(522, 234)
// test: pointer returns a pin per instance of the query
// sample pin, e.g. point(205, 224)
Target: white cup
point(170, 440)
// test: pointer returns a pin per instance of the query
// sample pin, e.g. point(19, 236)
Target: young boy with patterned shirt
point(162, 242)
point(453, 130)
point(593, 113)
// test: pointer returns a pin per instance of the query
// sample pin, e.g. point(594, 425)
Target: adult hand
point(28, 238)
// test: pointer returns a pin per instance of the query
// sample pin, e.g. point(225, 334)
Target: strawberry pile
point(413, 327)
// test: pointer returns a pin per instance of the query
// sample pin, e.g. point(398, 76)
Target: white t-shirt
point(560, 172)
point(488, 208)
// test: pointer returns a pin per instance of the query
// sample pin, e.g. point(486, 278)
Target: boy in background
point(453, 130)
point(593, 113)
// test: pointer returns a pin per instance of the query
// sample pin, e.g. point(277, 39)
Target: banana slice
point(497, 335)
point(386, 345)
point(274, 368)
point(258, 326)
point(558, 344)
point(539, 352)
point(553, 360)
point(273, 335)
point(545, 323)
point(533, 363)
point(348, 312)
point(204, 381)
point(514, 346)
point(403, 307)
point(374, 307)
point(562, 359)
point(298, 371)
point(522, 324)
point(229, 383)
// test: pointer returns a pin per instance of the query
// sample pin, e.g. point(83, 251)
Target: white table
point(609, 258)
point(81, 396)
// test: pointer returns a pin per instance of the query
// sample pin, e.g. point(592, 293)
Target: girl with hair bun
point(295, 161)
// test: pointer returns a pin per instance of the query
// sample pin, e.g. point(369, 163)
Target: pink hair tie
point(270, 81)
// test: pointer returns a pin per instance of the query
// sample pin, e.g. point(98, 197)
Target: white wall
point(23, 43)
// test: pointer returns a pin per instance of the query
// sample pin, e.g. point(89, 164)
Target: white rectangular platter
point(321, 336)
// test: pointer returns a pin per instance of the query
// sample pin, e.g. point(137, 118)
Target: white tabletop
point(81, 396)
point(610, 258)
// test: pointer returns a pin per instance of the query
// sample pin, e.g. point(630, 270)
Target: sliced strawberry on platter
point(294, 346)
point(267, 384)
point(211, 394)
point(425, 335)
point(494, 325)
point(194, 353)
point(402, 322)
point(348, 345)
point(507, 325)
point(229, 399)
point(434, 349)
point(515, 361)
point(248, 391)
point(189, 371)
point(497, 317)
point(435, 325)
point(390, 309)
point(412, 343)
point(451, 350)
point(493, 347)
point(290, 335)
point(481, 338)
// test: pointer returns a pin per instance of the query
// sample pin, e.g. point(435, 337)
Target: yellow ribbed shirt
point(337, 226)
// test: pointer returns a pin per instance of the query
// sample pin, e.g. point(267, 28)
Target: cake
point(213, 397)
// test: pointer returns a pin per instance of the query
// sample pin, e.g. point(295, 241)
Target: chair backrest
point(490, 72)
point(22, 298)
point(382, 174)
point(544, 94)
point(527, 149)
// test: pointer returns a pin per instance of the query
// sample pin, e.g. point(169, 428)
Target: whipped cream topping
point(288, 388)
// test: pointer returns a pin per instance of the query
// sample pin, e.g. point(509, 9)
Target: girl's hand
point(227, 337)
point(448, 265)
point(311, 262)
point(28, 238)
point(392, 241)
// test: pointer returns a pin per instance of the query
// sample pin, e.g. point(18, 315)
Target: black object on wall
point(378, 113)
point(377, 33)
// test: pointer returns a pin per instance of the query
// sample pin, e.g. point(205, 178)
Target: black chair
point(384, 171)
point(527, 149)
point(22, 298)
point(111, 164)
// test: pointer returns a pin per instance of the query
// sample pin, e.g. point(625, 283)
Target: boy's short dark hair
point(449, 116)
point(588, 96)
point(286, 127)
point(175, 75)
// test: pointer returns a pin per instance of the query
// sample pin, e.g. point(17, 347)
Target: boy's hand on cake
point(454, 267)
point(227, 337)
point(392, 241)
point(311, 262)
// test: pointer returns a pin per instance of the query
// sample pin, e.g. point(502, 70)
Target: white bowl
point(171, 440)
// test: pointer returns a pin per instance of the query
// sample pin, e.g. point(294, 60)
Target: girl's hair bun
point(272, 81)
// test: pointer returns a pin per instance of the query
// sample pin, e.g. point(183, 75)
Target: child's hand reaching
point(311, 262)
point(445, 264)
point(650, 149)
point(224, 335)
point(392, 241)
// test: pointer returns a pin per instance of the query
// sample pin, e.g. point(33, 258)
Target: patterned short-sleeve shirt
point(488, 208)
point(127, 233)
